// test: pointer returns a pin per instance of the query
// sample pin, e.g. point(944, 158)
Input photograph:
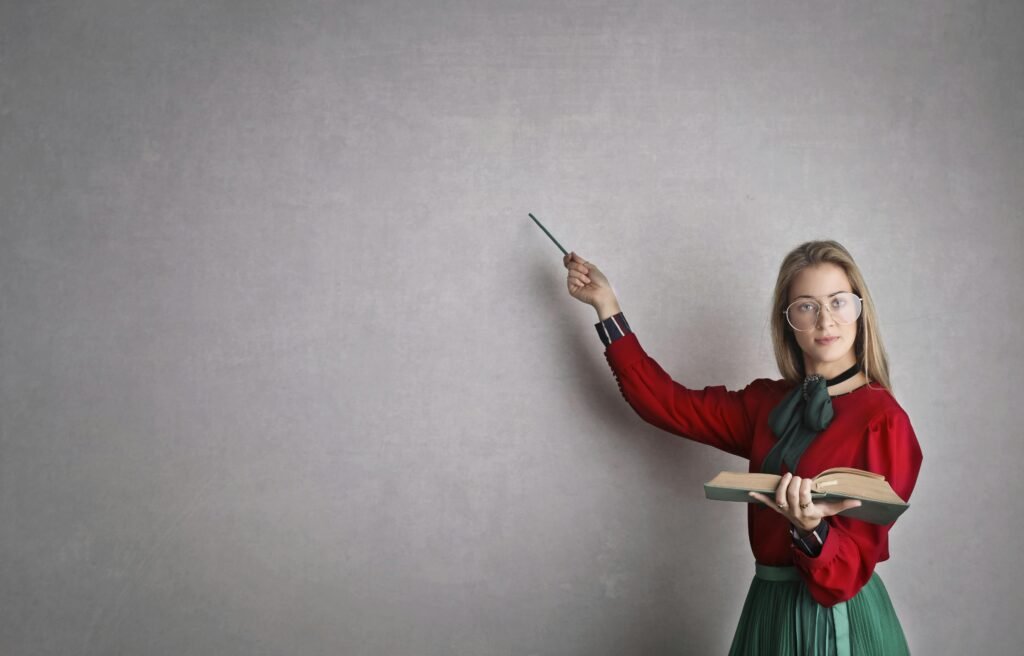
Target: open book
point(879, 503)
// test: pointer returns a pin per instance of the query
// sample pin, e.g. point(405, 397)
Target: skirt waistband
point(776, 572)
point(813, 620)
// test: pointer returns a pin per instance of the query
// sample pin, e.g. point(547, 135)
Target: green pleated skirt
point(780, 618)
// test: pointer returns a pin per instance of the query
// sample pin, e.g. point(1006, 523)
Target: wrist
point(804, 531)
point(606, 309)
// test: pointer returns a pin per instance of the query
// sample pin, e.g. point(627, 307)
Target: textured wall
point(286, 369)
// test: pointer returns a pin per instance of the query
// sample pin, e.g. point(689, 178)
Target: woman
point(815, 590)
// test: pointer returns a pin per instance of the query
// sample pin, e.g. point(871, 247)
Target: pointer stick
point(547, 233)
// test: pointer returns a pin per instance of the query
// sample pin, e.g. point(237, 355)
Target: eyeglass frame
point(817, 313)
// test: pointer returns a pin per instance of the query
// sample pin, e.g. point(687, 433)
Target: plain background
point(285, 368)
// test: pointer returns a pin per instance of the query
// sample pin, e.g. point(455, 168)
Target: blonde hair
point(868, 344)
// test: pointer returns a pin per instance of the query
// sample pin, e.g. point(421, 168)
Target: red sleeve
point(713, 416)
point(853, 546)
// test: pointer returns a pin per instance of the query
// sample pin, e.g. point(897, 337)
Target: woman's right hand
point(586, 282)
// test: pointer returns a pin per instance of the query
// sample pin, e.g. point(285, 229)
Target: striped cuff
point(613, 328)
point(812, 543)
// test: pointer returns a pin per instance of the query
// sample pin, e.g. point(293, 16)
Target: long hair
point(868, 344)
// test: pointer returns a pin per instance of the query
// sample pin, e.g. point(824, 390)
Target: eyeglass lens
point(803, 314)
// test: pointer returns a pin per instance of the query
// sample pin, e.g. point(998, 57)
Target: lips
point(826, 341)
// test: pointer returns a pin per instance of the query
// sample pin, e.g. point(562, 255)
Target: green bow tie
point(796, 421)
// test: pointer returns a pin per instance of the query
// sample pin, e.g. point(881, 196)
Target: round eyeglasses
point(802, 315)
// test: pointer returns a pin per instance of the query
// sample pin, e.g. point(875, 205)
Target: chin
point(826, 354)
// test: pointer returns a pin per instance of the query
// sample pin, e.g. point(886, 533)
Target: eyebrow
point(814, 297)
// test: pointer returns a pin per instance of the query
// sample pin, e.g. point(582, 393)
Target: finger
point(765, 500)
point(575, 266)
point(805, 492)
point(829, 508)
point(579, 267)
point(780, 491)
point(576, 275)
point(793, 493)
point(579, 258)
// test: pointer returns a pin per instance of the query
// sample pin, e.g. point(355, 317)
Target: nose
point(825, 317)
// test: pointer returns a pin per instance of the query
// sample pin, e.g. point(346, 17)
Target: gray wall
point(286, 369)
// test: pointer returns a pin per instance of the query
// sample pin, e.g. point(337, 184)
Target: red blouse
point(869, 431)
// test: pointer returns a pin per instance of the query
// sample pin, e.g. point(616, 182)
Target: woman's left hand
point(794, 492)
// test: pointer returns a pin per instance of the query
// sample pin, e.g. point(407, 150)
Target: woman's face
point(828, 358)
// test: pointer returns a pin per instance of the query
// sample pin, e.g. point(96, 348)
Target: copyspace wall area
point(285, 367)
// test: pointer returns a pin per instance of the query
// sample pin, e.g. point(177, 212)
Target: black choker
point(846, 375)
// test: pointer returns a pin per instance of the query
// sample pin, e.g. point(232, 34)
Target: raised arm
point(713, 416)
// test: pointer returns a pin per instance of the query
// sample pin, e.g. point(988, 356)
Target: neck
point(830, 370)
point(848, 385)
